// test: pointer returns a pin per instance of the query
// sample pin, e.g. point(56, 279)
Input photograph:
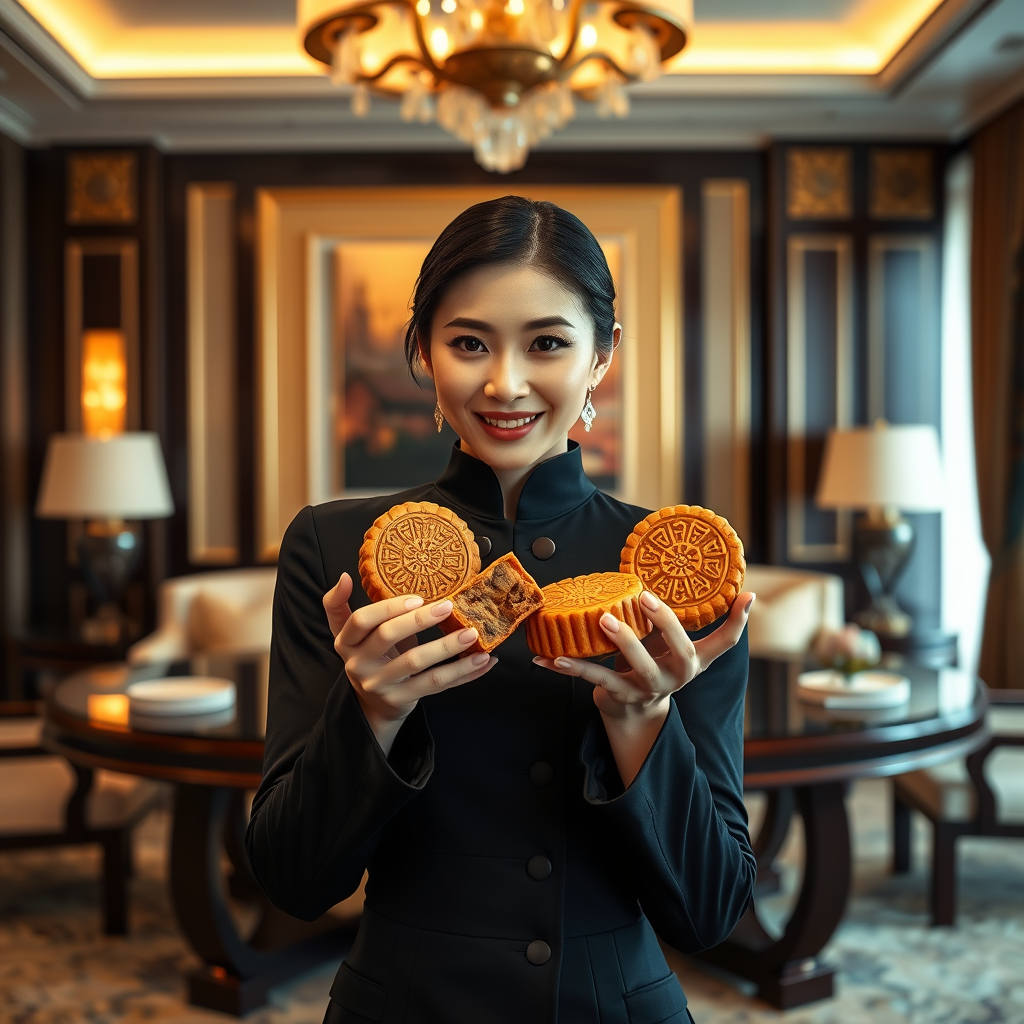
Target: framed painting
point(340, 414)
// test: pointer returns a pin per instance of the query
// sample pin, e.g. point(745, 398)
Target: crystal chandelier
point(499, 74)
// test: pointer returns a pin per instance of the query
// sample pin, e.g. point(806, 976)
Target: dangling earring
point(439, 417)
point(589, 413)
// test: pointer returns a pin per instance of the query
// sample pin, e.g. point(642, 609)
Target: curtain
point(997, 343)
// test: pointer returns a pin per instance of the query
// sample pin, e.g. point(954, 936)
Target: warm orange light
point(110, 708)
point(859, 38)
point(104, 383)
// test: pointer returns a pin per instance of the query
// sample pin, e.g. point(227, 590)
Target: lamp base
point(108, 554)
point(884, 617)
point(883, 544)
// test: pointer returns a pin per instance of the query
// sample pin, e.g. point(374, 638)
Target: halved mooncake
point(494, 603)
point(691, 558)
point(417, 548)
point(569, 624)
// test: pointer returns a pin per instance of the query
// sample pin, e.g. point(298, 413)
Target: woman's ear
point(425, 355)
point(603, 360)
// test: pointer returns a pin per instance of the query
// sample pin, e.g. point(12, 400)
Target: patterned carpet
point(57, 968)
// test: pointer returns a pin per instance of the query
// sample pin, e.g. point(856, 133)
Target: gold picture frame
point(295, 226)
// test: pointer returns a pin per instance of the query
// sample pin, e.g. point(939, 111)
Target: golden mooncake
point(417, 548)
point(689, 557)
point(569, 624)
point(494, 602)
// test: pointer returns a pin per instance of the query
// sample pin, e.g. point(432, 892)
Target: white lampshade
point(897, 466)
point(121, 477)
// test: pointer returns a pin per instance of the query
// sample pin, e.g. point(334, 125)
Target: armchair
point(210, 612)
point(45, 801)
point(792, 606)
point(982, 795)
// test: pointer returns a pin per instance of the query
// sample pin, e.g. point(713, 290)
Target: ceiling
point(231, 74)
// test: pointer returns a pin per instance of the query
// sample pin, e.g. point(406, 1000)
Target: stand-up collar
point(554, 488)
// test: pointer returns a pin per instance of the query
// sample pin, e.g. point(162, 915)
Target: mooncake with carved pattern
point(691, 558)
point(569, 624)
point(417, 548)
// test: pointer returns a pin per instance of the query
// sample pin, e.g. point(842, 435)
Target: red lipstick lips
point(508, 433)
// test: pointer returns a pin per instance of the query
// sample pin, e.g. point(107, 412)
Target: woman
point(528, 825)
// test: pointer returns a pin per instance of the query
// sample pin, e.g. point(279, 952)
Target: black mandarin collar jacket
point(512, 879)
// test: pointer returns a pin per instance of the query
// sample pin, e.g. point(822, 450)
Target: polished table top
point(787, 741)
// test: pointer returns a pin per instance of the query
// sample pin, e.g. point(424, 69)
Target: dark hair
point(515, 231)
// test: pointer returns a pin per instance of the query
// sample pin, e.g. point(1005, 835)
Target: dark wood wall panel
point(887, 202)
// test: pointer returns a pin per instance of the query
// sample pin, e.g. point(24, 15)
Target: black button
point(543, 547)
point(484, 544)
point(538, 868)
point(541, 773)
point(538, 952)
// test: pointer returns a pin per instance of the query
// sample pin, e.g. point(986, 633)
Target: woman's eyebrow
point(473, 325)
point(547, 321)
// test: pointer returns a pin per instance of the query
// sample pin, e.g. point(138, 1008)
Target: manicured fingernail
point(563, 663)
point(479, 660)
point(537, 661)
point(467, 636)
point(413, 602)
point(442, 609)
point(649, 601)
point(750, 603)
point(610, 622)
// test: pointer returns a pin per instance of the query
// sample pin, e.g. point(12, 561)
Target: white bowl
point(181, 695)
point(870, 689)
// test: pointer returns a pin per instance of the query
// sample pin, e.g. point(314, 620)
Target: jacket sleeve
point(327, 789)
point(682, 824)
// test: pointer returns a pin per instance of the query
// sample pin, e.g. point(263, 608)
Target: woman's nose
point(507, 382)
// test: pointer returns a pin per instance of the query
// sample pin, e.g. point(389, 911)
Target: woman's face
point(512, 355)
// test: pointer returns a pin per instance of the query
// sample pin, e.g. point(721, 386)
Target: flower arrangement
point(847, 650)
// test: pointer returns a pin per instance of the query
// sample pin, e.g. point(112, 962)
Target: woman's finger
point(728, 633)
point(370, 618)
point(646, 671)
point(336, 603)
point(614, 682)
point(425, 656)
point(444, 677)
point(667, 623)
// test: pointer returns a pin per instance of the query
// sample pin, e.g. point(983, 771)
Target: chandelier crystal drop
point(498, 74)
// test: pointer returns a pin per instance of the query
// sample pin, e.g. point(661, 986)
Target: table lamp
point(105, 481)
point(883, 470)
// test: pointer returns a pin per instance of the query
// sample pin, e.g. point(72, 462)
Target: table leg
point(778, 814)
point(238, 972)
point(786, 969)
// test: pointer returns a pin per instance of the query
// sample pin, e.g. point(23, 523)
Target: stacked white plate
point(181, 695)
point(869, 689)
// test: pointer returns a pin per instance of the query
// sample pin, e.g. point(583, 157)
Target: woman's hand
point(389, 671)
point(634, 703)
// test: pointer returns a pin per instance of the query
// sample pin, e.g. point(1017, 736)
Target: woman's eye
point(468, 344)
point(549, 343)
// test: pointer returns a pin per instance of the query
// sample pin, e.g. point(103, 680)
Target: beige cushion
point(34, 792)
point(20, 732)
point(220, 623)
point(945, 792)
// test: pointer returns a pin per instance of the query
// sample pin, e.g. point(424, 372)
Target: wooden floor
point(56, 967)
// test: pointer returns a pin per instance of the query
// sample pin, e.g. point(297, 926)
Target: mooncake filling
point(496, 602)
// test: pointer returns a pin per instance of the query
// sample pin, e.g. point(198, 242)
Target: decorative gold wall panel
point(819, 183)
point(901, 184)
